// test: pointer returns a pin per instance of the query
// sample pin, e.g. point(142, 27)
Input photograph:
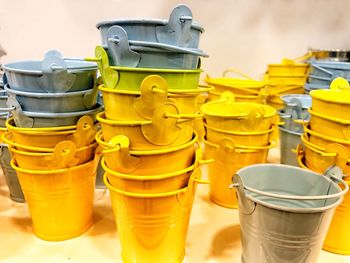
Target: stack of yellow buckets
point(289, 77)
point(55, 163)
point(244, 88)
point(237, 134)
point(326, 141)
point(150, 153)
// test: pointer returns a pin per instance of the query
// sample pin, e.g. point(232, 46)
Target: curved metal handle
point(321, 69)
point(300, 197)
point(196, 115)
point(236, 71)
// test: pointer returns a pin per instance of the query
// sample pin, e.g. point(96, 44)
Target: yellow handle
point(196, 115)
point(236, 71)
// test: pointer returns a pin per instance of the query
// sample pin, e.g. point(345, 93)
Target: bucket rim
point(329, 118)
point(340, 194)
point(243, 148)
point(325, 95)
point(139, 195)
point(103, 143)
point(289, 131)
point(156, 70)
point(37, 153)
point(239, 96)
point(268, 110)
point(49, 172)
point(171, 92)
point(325, 137)
point(273, 127)
point(152, 177)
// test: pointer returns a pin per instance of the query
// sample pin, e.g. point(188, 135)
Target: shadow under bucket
point(285, 212)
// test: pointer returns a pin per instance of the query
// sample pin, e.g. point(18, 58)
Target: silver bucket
point(295, 108)
point(289, 141)
point(285, 212)
point(11, 178)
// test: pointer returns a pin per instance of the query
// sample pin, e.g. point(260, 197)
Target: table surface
point(213, 234)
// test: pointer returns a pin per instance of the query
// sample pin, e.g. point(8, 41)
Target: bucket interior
point(288, 180)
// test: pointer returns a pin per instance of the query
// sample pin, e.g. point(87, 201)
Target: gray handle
point(119, 49)
point(322, 69)
point(177, 31)
point(298, 197)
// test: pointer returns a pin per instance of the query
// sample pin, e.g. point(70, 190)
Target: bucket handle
point(109, 76)
point(321, 69)
point(298, 197)
point(237, 72)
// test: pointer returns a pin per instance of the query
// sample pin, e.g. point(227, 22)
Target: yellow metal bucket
point(227, 160)
point(153, 227)
point(323, 140)
point(64, 155)
point(162, 131)
point(330, 126)
point(213, 96)
point(120, 158)
point(258, 138)
point(2, 131)
point(334, 102)
point(150, 183)
point(298, 80)
point(238, 116)
point(126, 105)
point(319, 159)
point(60, 201)
point(239, 86)
point(338, 236)
point(289, 67)
point(83, 134)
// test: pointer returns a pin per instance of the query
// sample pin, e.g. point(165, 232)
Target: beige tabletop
point(213, 234)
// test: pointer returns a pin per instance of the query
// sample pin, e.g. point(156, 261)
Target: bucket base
point(177, 261)
point(222, 204)
point(66, 237)
point(17, 199)
point(336, 251)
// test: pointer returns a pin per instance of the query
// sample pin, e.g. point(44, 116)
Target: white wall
point(244, 34)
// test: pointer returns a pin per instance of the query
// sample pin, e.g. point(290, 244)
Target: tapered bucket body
point(285, 212)
point(152, 227)
point(288, 143)
point(338, 237)
point(11, 178)
point(60, 201)
point(226, 163)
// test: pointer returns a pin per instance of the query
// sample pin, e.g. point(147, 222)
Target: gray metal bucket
point(99, 177)
point(295, 108)
point(1, 82)
point(285, 212)
point(11, 178)
point(289, 141)
point(52, 102)
point(143, 54)
point(54, 74)
point(330, 69)
point(3, 117)
point(338, 55)
point(179, 30)
point(320, 80)
point(3, 98)
point(309, 87)
point(27, 119)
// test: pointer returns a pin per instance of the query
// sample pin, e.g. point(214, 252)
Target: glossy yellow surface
point(148, 135)
point(258, 138)
point(227, 160)
point(238, 116)
point(288, 68)
point(57, 159)
point(60, 201)
point(330, 126)
point(153, 227)
point(157, 161)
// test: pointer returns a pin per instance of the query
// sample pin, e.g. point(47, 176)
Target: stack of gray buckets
point(11, 178)
point(292, 116)
point(332, 64)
